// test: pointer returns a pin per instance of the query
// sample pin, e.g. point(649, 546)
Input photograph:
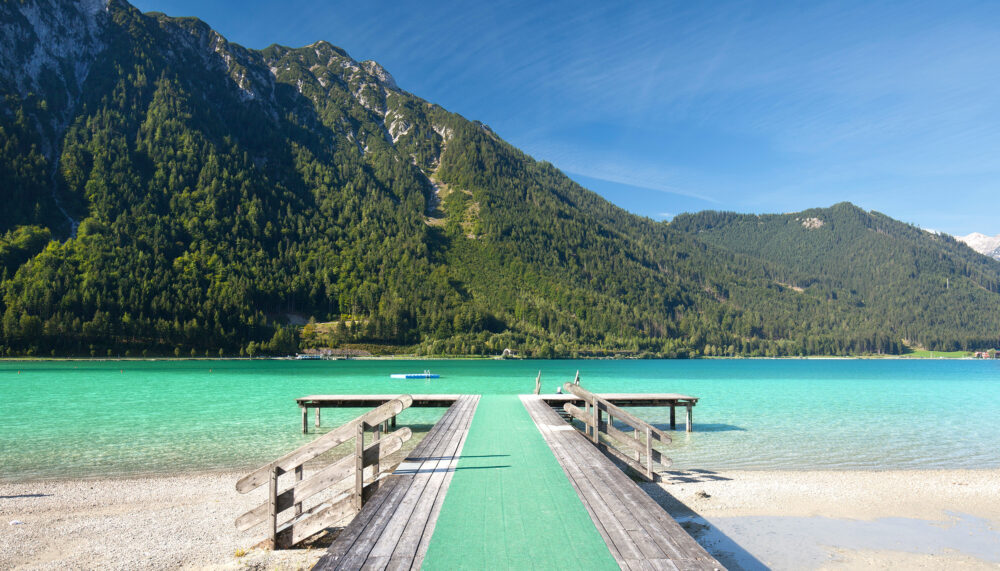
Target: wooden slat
point(315, 520)
point(364, 547)
point(625, 439)
point(638, 532)
point(599, 478)
point(429, 487)
point(619, 413)
point(390, 529)
point(370, 401)
point(323, 479)
point(320, 445)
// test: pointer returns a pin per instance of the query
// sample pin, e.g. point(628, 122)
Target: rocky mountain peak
point(986, 245)
point(384, 77)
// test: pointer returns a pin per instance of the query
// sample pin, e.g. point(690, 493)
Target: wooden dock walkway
point(394, 527)
point(556, 400)
point(639, 533)
point(493, 520)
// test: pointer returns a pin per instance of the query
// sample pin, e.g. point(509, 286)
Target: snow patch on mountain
point(986, 245)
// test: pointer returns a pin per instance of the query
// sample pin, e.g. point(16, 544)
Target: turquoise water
point(86, 419)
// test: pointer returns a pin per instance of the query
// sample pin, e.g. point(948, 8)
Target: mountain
point(170, 192)
point(926, 289)
point(985, 245)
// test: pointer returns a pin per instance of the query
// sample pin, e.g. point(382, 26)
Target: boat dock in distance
point(556, 401)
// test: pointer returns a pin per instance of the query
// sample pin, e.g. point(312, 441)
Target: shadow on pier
point(717, 543)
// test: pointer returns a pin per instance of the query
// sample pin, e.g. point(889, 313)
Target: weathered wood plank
point(390, 527)
point(619, 413)
point(401, 536)
point(639, 533)
point(315, 520)
point(323, 479)
point(377, 527)
point(624, 438)
point(618, 542)
point(413, 542)
point(329, 440)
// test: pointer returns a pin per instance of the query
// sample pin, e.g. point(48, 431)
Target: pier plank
point(639, 533)
point(392, 529)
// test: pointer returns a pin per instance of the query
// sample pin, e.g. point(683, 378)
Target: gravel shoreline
point(186, 521)
point(168, 522)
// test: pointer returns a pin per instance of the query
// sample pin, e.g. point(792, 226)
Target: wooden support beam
point(649, 453)
point(305, 420)
point(538, 383)
point(690, 419)
point(272, 508)
point(298, 480)
point(376, 436)
point(673, 416)
point(359, 465)
point(317, 417)
point(597, 423)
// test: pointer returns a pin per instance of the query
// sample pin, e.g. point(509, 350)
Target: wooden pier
point(395, 526)
point(672, 400)
point(394, 529)
point(639, 533)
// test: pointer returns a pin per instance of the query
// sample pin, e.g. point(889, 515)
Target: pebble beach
point(748, 519)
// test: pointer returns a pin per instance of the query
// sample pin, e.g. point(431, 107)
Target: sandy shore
point(934, 519)
point(752, 520)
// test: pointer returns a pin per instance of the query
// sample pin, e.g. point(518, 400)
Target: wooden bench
point(394, 528)
point(639, 533)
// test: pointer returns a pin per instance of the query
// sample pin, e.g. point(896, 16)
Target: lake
point(102, 418)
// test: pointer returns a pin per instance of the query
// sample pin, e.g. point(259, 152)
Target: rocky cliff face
point(47, 48)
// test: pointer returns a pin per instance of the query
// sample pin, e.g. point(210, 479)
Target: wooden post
point(393, 421)
point(305, 420)
point(317, 417)
point(690, 424)
point(649, 453)
point(576, 381)
point(359, 453)
point(298, 478)
point(272, 507)
point(538, 383)
point(673, 415)
point(597, 423)
point(377, 434)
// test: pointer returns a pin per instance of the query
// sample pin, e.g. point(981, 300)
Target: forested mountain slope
point(915, 285)
point(167, 191)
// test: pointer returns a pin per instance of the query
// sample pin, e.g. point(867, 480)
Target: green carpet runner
point(510, 505)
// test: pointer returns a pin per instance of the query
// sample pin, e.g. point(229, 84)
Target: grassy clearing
point(922, 354)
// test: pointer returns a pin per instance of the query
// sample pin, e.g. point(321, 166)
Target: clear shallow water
point(82, 419)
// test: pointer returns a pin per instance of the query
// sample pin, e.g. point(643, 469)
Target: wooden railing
point(640, 441)
point(302, 525)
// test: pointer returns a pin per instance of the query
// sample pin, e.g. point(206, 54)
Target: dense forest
point(170, 193)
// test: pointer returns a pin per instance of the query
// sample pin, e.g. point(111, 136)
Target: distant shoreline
point(488, 358)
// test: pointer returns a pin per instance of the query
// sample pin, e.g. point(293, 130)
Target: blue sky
point(677, 107)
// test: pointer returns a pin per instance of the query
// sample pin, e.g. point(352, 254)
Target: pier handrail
point(640, 441)
point(305, 524)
